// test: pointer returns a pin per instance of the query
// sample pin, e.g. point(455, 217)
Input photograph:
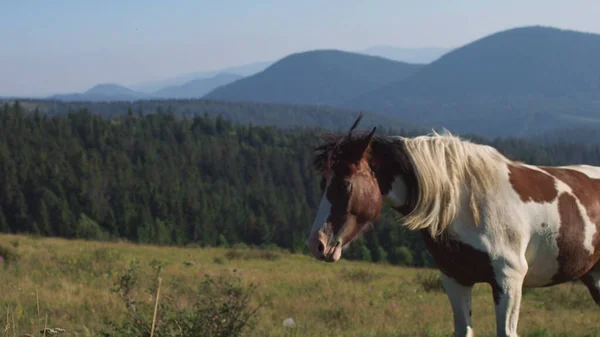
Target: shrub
point(401, 256)
point(359, 275)
point(250, 254)
point(358, 250)
point(9, 255)
point(220, 307)
point(431, 282)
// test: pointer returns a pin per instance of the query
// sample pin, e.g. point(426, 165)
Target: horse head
point(351, 198)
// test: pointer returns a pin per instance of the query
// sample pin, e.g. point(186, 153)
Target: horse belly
point(548, 264)
point(541, 255)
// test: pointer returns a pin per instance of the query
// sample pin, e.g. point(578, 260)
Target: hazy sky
point(70, 45)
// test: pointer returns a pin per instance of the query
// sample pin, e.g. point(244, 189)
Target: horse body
point(484, 218)
point(517, 244)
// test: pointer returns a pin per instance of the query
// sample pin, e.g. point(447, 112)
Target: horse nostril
point(321, 247)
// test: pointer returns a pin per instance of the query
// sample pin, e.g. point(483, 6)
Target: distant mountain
point(196, 88)
point(322, 77)
point(114, 92)
point(409, 55)
point(241, 70)
point(102, 92)
point(521, 81)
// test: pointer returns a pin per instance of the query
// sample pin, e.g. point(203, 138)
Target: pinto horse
point(483, 217)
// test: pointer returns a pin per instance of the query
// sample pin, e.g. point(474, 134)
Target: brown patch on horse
point(586, 190)
point(573, 259)
point(462, 262)
point(532, 185)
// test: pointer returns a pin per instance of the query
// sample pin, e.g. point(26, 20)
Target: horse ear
point(366, 144)
point(360, 116)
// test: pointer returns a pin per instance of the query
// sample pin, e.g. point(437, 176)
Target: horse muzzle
point(324, 247)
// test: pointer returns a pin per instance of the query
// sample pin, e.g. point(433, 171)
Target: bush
point(90, 229)
point(220, 307)
point(401, 256)
point(358, 250)
point(430, 281)
point(9, 255)
point(252, 254)
point(359, 275)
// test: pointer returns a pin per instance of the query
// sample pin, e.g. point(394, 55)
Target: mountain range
point(197, 84)
point(241, 70)
point(102, 92)
point(521, 81)
point(195, 88)
point(323, 77)
point(409, 55)
point(517, 82)
point(524, 81)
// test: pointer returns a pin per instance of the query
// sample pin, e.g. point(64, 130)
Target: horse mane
point(439, 169)
point(446, 166)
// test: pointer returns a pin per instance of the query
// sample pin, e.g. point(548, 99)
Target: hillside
point(515, 82)
point(323, 77)
point(196, 88)
point(102, 92)
point(68, 284)
point(154, 178)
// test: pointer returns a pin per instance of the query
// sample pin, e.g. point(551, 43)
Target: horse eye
point(346, 184)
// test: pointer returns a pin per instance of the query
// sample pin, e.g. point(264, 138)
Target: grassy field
point(67, 284)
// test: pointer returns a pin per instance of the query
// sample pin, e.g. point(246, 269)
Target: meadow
point(74, 285)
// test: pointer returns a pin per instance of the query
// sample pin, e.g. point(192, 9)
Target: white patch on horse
point(541, 250)
point(590, 229)
point(323, 212)
point(397, 193)
point(591, 171)
point(524, 234)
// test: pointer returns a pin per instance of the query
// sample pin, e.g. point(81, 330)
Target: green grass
point(72, 282)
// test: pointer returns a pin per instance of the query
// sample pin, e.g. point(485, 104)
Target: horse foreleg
point(507, 297)
point(460, 301)
point(592, 281)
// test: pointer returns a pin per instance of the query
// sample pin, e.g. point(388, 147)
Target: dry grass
point(72, 280)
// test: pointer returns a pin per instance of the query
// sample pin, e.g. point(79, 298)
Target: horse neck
point(395, 192)
point(393, 175)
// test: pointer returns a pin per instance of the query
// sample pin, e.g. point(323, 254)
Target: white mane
point(445, 167)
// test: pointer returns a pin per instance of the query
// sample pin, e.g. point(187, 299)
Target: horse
point(483, 217)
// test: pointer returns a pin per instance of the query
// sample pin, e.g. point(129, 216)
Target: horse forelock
point(337, 149)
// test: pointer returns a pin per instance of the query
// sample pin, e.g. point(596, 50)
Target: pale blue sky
point(69, 45)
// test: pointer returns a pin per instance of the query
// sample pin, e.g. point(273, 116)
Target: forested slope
point(271, 114)
point(157, 178)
